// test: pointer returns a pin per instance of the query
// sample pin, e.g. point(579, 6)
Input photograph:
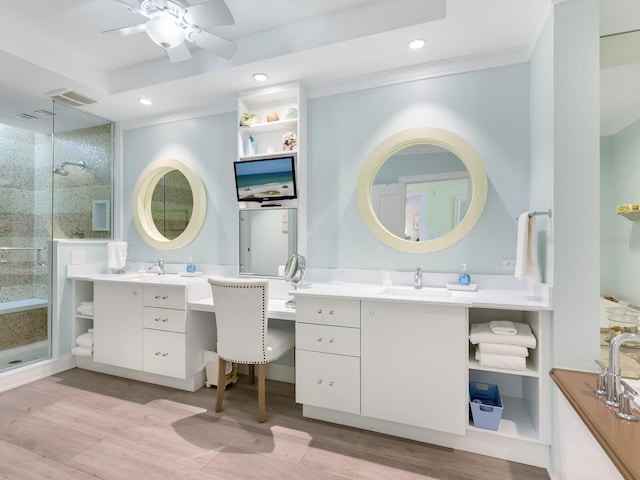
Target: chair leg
point(252, 374)
point(262, 401)
point(222, 367)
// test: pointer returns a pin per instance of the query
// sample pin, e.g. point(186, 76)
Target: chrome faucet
point(159, 266)
point(417, 279)
point(614, 388)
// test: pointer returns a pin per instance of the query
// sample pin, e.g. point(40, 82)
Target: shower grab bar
point(39, 261)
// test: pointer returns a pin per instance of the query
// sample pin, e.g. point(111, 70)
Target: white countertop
point(482, 298)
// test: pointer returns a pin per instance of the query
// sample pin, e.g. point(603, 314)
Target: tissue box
point(487, 408)
point(211, 368)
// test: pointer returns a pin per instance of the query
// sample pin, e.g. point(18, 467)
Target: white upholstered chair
point(244, 335)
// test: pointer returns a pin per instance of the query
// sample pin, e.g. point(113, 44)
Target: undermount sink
point(427, 293)
point(144, 277)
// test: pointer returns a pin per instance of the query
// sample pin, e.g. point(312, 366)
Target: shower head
point(60, 171)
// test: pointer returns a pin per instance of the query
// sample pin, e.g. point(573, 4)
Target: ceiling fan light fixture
point(165, 32)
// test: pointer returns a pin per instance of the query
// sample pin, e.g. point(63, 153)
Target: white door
point(389, 202)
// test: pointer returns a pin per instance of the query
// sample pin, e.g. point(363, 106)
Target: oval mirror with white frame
point(145, 207)
point(422, 190)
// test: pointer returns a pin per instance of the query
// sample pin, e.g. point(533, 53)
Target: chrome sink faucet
point(159, 266)
point(614, 387)
point(417, 279)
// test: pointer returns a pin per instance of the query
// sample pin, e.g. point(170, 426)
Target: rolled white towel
point(81, 352)
point(503, 327)
point(508, 362)
point(480, 332)
point(85, 340)
point(503, 349)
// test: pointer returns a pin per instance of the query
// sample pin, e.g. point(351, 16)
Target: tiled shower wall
point(28, 188)
point(75, 193)
point(21, 277)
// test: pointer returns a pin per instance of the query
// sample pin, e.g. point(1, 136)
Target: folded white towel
point(508, 362)
point(527, 249)
point(503, 327)
point(85, 340)
point(481, 333)
point(116, 255)
point(503, 349)
point(88, 312)
point(81, 352)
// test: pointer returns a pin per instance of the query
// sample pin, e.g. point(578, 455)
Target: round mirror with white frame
point(143, 210)
point(422, 190)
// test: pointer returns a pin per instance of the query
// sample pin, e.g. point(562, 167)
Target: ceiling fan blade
point(124, 31)
point(213, 43)
point(179, 53)
point(213, 13)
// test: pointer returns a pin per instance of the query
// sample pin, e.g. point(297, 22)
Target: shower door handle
point(39, 260)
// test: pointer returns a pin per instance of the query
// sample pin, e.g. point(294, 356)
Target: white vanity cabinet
point(414, 364)
point(165, 328)
point(146, 332)
point(328, 353)
point(117, 324)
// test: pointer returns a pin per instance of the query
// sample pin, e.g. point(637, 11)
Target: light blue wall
point(620, 238)
point(576, 183)
point(208, 145)
point(541, 130)
point(488, 108)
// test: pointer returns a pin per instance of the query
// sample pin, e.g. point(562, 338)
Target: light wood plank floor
point(81, 424)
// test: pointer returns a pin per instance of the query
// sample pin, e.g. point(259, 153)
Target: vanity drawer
point(165, 297)
point(328, 339)
point(328, 381)
point(165, 319)
point(328, 311)
point(164, 353)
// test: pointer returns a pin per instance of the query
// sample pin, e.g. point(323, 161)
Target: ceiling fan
point(172, 23)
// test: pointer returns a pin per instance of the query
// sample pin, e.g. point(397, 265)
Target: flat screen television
point(266, 179)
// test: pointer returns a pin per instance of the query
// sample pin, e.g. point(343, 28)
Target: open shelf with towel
point(82, 309)
point(524, 392)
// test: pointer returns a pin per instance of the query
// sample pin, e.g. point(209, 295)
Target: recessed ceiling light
point(145, 101)
point(417, 43)
point(261, 77)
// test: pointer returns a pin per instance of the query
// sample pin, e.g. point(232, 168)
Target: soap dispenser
point(191, 268)
point(464, 278)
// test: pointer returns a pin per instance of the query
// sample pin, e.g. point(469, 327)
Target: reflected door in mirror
point(268, 237)
point(420, 193)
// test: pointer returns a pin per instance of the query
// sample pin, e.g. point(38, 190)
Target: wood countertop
point(620, 439)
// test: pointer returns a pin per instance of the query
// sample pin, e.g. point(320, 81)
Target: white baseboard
point(37, 371)
point(190, 384)
point(507, 448)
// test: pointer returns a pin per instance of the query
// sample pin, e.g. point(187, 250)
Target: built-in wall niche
point(100, 216)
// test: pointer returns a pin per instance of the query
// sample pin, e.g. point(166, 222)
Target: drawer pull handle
point(158, 354)
point(320, 311)
point(320, 339)
point(165, 320)
point(158, 319)
point(165, 354)
point(320, 382)
point(331, 340)
point(160, 297)
point(134, 293)
point(330, 312)
point(331, 384)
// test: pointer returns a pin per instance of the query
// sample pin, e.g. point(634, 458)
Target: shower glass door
point(26, 162)
point(56, 166)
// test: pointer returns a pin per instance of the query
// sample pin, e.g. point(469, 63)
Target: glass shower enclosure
point(56, 168)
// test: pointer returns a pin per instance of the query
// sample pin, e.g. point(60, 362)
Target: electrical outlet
point(77, 257)
point(508, 264)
